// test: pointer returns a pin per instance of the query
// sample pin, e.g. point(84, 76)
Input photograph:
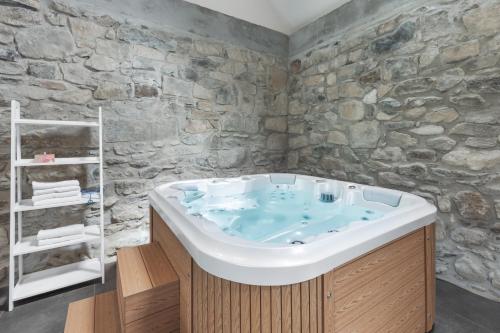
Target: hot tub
point(284, 230)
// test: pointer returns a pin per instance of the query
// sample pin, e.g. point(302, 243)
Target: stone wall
point(413, 103)
point(175, 106)
point(407, 102)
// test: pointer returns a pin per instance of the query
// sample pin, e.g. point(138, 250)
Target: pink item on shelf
point(45, 158)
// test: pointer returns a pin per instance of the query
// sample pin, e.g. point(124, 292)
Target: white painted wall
point(299, 13)
point(286, 16)
point(260, 12)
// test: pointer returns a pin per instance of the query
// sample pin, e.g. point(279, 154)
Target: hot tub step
point(97, 314)
point(148, 290)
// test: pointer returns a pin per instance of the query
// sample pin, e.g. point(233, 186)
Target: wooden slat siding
point(134, 277)
point(418, 326)
point(286, 309)
point(296, 305)
point(133, 281)
point(319, 303)
point(328, 299)
point(143, 304)
point(410, 318)
point(181, 262)
point(204, 301)
point(120, 299)
point(313, 306)
point(245, 308)
point(80, 317)
point(151, 217)
point(106, 313)
point(200, 300)
point(304, 299)
point(97, 314)
point(430, 273)
point(218, 305)
point(235, 307)
point(154, 260)
point(391, 309)
point(255, 309)
point(276, 309)
point(226, 305)
point(148, 283)
point(194, 300)
point(163, 278)
point(211, 304)
point(361, 271)
point(265, 309)
point(159, 322)
point(370, 295)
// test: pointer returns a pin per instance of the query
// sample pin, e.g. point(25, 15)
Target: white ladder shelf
point(28, 285)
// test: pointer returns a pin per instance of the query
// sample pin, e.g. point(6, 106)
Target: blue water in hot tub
point(279, 216)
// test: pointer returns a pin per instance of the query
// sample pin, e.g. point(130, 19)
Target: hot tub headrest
point(388, 197)
point(282, 179)
point(185, 187)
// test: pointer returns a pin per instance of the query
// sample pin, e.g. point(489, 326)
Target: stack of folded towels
point(53, 193)
point(59, 235)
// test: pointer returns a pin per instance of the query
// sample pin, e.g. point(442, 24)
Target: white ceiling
point(286, 16)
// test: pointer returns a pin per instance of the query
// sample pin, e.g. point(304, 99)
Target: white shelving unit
point(55, 123)
point(56, 278)
point(58, 161)
point(27, 285)
point(28, 244)
point(26, 205)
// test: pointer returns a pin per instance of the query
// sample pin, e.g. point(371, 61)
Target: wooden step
point(97, 314)
point(148, 290)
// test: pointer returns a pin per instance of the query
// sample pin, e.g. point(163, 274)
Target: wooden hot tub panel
point(390, 289)
point(223, 306)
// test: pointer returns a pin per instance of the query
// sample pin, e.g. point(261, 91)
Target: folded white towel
point(56, 240)
point(57, 190)
point(47, 185)
point(37, 198)
point(55, 201)
point(68, 230)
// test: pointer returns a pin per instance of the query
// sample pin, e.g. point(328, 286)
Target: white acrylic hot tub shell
point(256, 263)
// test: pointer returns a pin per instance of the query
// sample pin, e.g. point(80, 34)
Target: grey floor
point(458, 311)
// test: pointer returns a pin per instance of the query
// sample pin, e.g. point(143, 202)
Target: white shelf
point(28, 244)
point(58, 161)
point(56, 278)
point(55, 123)
point(27, 204)
point(26, 285)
